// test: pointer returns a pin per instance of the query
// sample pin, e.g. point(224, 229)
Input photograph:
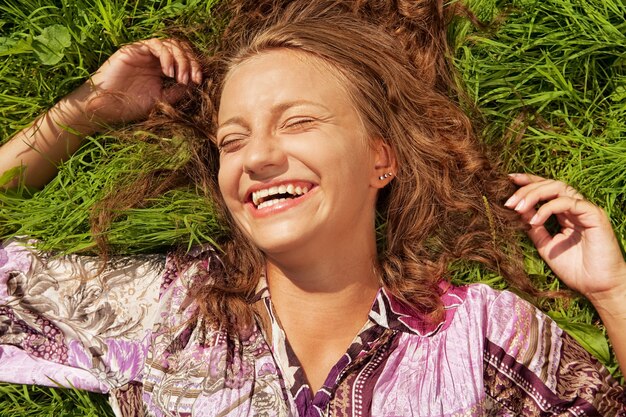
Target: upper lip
point(267, 186)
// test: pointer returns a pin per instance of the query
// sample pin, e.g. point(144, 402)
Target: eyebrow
point(278, 109)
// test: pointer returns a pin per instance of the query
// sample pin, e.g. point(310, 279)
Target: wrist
point(613, 306)
point(611, 301)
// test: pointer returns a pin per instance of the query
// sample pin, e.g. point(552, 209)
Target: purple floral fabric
point(129, 329)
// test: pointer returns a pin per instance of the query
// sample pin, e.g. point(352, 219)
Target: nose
point(264, 155)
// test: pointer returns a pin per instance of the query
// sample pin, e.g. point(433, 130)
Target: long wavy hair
point(445, 203)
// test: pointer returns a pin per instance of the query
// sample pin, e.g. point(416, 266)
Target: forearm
point(51, 139)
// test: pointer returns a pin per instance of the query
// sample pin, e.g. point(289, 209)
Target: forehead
point(280, 75)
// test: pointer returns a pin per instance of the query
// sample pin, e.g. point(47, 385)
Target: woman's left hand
point(584, 253)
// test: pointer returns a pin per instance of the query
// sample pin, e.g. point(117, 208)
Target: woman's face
point(297, 170)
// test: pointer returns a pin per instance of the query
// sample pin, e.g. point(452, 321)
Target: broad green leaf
point(50, 45)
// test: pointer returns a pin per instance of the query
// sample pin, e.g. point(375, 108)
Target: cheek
point(360, 160)
point(229, 176)
point(226, 184)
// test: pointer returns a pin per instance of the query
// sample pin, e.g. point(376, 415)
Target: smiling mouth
point(267, 197)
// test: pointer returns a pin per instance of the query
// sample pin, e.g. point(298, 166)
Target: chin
point(278, 246)
point(279, 243)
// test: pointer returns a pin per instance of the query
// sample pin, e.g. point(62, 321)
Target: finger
point(181, 62)
point(543, 191)
point(540, 237)
point(566, 220)
point(563, 220)
point(537, 233)
point(577, 211)
point(196, 71)
point(526, 216)
point(159, 50)
point(520, 193)
point(533, 193)
point(522, 179)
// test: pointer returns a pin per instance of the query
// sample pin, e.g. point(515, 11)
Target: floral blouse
point(125, 329)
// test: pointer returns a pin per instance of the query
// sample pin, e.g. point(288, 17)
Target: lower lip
point(279, 207)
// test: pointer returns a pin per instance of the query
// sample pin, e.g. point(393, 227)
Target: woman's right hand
point(125, 89)
point(127, 86)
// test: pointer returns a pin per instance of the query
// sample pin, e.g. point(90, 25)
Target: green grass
point(31, 401)
point(549, 76)
point(550, 79)
point(179, 217)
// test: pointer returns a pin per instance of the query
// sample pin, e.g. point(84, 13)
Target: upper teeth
point(258, 196)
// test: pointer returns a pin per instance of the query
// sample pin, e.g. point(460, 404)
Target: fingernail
point(185, 78)
point(510, 203)
point(514, 174)
point(533, 220)
point(197, 76)
point(520, 205)
point(170, 71)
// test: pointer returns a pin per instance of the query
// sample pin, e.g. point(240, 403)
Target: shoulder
point(183, 278)
point(506, 319)
point(508, 324)
point(197, 266)
point(24, 267)
point(23, 254)
point(481, 306)
point(467, 309)
point(77, 312)
point(532, 365)
point(475, 309)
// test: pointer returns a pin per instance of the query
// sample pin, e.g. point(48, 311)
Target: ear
point(385, 164)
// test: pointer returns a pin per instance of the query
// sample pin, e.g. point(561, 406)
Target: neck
point(338, 283)
point(322, 295)
point(321, 283)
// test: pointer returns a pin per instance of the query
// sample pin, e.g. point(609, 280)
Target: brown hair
point(446, 201)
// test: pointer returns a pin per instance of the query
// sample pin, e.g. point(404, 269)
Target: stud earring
point(385, 176)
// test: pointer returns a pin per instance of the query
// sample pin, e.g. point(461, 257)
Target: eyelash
point(299, 123)
point(226, 145)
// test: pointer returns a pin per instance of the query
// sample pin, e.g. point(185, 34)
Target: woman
point(321, 121)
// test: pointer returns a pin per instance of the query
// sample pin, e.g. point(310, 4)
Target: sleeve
point(74, 321)
point(533, 368)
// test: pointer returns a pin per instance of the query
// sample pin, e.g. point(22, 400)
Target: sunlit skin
point(284, 118)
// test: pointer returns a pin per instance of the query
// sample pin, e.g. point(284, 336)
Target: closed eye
point(299, 123)
point(231, 143)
